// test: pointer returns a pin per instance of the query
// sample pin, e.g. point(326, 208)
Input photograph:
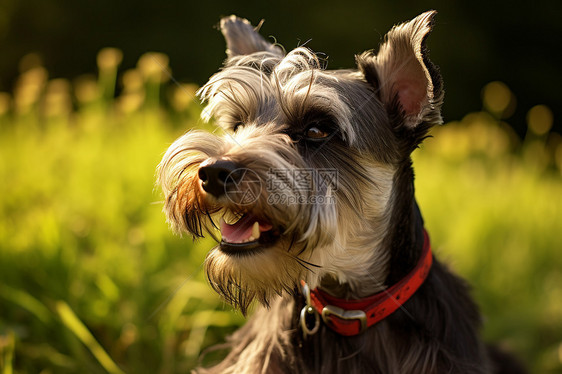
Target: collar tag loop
point(308, 311)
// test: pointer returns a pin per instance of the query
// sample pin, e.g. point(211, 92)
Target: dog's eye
point(237, 126)
point(316, 133)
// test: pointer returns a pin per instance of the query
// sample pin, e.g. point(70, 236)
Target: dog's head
point(298, 180)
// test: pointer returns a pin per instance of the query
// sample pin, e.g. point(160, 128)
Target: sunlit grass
point(495, 218)
point(92, 280)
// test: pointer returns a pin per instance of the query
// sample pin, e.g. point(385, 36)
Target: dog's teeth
point(230, 218)
point(255, 231)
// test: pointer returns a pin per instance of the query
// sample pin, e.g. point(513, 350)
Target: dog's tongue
point(245, 229)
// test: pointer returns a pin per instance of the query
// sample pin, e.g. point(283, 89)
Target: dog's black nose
point(217, 176)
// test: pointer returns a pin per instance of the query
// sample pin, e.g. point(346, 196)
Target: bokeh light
point(498, 99)
point(109, 58)
point(5, 103)
point(540, 119)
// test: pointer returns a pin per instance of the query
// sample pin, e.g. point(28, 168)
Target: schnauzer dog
point(309, 183)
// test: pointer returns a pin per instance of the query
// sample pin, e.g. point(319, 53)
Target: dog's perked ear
point(408, 84)
point(243, 39)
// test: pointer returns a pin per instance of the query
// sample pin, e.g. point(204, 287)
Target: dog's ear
point(243, 39)
point(406, 81)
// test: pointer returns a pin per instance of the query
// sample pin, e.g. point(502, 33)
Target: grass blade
point(7, 345)
point(73, 323)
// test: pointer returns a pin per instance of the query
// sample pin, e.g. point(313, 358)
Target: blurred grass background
point(92, 280)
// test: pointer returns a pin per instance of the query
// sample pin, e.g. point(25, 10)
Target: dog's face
point(298, 180)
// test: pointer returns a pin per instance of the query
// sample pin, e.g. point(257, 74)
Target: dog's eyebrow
point(237, 94)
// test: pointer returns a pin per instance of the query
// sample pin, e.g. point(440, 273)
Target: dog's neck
point(405, 237)
point(400, 249)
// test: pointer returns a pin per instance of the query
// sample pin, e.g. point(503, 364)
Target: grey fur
point(354, 246)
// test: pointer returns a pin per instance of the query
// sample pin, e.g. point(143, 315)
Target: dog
point(309, 183)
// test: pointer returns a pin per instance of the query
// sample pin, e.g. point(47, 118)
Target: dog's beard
point(273, 269)
point(277, 265)
point(261, 276)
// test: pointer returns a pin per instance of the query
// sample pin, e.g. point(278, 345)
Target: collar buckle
point(346, 315)
point(308, 311)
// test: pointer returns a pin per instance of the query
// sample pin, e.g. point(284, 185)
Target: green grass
point(92, 280)
point(496, 219)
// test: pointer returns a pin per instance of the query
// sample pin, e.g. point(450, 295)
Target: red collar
point(351, 317)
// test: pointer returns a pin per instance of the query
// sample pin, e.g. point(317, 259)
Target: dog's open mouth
point(245, 233)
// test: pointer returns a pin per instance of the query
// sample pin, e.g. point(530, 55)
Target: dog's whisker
point(302, 264)
point(308, 263)
point(208, 214)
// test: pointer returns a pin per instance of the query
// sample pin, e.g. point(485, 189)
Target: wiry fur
point(268, 101)
point(359, 243)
